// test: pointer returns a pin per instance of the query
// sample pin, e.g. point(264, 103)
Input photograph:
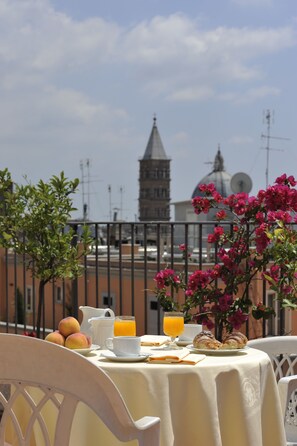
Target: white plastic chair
point(287, 387)
point(282, 351)
point(64, 378)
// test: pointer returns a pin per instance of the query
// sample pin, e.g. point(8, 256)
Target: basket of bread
point(205, 340)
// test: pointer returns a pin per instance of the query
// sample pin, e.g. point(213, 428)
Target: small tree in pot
point(33, 222)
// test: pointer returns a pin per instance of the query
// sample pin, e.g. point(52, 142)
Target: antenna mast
point(267, 116)
point(121, 202)
point(110, 210)
point(86, 205)
point(88, 182)
point(268, 148)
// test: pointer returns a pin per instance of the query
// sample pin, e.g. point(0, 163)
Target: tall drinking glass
point(124, 326)
point(173, 326)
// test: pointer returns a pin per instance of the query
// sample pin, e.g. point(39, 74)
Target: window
point(154, 305)
point(58, 294)
point(108, 301)
point(154, 319)
point(273, 323)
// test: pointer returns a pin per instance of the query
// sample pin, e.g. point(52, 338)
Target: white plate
point(112, 357)
point(219, 352)
point(85, 351)
point(183, 343)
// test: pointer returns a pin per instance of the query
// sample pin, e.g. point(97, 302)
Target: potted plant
point(33, 222)
point(262, 243)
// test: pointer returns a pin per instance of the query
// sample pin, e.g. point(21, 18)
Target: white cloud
point(250, 95)
point(35, 37)
point(180, 137)
point(253, 3)
point(161, 55)
point(240, 140)
point(191, 94)
point(171, 52)
point(73, 88)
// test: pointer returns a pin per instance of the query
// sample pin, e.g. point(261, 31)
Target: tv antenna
point(118, 210)
point(267, 115)
point(85, 166)
point(122, 190)
point(110, 207)
point(85, 178)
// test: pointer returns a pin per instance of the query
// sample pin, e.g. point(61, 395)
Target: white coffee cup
point(190, 331)
point(124, 345)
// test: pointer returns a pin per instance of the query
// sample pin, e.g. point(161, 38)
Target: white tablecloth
point(220, 401)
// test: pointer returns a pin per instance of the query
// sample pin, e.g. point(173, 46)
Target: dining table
point(217, 399)
point(225, 399)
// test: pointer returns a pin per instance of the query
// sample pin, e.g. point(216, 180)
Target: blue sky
point(81, 80)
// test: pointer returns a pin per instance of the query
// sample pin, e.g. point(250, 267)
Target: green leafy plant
point(34, 223)
point(261, 244)
point(261, 311)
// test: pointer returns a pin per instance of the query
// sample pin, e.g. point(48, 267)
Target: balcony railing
point(118, 273)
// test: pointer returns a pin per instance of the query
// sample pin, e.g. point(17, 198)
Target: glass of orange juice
point(124, 326)
point(173, 326)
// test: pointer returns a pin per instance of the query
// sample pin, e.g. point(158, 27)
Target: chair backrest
point(287, 387)
point(282, 351)
point(43, 374)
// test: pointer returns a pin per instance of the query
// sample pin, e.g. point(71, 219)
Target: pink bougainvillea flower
point(217, 233)
point(237, 319)
point(201, 205)
point(259, 242)
point(209, 324)
point(207, 188)
point(221, 215)
point(225, 302)
point(166, 277)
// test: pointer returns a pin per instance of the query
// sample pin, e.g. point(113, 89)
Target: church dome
point(219, 177)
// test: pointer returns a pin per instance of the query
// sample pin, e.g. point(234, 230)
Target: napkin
point(151, 340)
point(175, 357)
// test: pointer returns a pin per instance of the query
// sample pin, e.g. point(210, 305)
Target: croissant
point(234, 340)
point(206, 342)
point(231, 343)
point(205, 333)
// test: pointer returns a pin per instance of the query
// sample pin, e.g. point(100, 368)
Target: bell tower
point(154, 180)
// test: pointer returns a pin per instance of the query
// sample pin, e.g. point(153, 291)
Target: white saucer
point(183, 343)
point(112, 357)
point(218, 352)
point(85, 351)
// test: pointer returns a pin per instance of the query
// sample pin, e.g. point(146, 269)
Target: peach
point(78, 340)
point(68, 325)
point(56, 337)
